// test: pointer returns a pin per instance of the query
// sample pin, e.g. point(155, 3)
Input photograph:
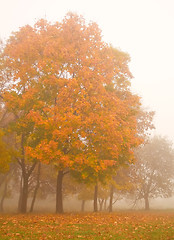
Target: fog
point(72, 204)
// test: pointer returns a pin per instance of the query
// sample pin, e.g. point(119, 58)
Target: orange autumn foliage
point(72, 90)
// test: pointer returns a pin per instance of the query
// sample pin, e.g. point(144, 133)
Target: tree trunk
point(24, 195)
point(111, 198)
point(95, 198)
point(83, 206)
point(101, 204)
point(3, 179)
point(105, 201)
point(26, 173)
point(146, 199)
point(59, 196)
point(20, 196)
point(24, 183)
point(3, 197)
point(36, 188)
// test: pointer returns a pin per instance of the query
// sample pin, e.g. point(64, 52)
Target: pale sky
point(143, 28)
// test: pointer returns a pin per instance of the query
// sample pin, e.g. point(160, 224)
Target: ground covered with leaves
point(120, 225)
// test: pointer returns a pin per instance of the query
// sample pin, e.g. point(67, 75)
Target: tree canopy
point(70, 94)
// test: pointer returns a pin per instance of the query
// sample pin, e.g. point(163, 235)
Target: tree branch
point(31, 169)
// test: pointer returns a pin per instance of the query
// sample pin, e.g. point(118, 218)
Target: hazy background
point(143, 28)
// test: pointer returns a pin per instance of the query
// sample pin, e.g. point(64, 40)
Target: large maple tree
point(70, 92)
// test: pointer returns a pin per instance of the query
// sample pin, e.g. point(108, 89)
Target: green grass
point(121, 225)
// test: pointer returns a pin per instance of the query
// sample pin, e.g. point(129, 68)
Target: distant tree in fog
point(153, 173)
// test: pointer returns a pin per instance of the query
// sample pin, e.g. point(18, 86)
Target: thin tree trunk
point(105, 201)
point(95, 198)
point(36, 188)
point(146, 203)
point(24, 185)
point(111, 198)
point(20, 196)
point(83, 206)
point(59, 196)
point(101, 204)
point(3, 197)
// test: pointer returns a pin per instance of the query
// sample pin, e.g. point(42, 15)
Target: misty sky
point(143, 28)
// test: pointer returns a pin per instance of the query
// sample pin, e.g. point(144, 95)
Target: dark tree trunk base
point(24, 196)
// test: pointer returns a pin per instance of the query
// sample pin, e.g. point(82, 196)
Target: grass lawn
point(119, 225)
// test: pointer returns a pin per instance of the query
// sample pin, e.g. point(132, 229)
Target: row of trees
point(150, 177)
point(66, 102)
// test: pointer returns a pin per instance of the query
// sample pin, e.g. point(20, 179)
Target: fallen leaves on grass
point(133, 225)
